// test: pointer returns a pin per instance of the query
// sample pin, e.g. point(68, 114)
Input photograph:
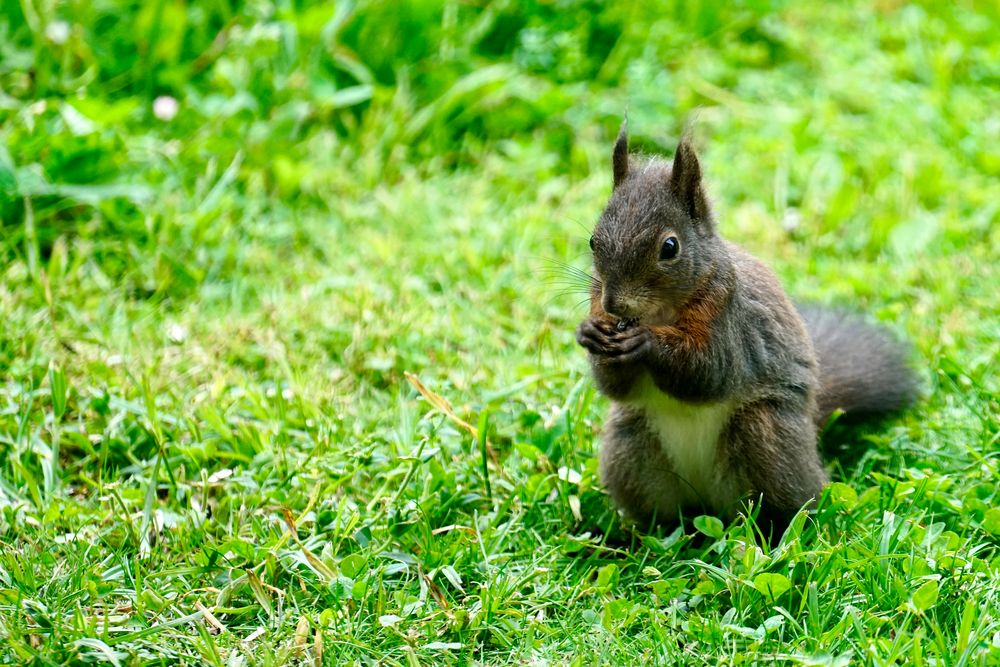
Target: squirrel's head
point(655, 241)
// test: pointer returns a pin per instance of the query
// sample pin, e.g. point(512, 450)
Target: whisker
point(560, 270)
point(580, 286)
point(549, 302)
point(586, 229)
point(563, 295)
point(569, 288)
point(556, 265)
point(557, 272)
point(552, 261)
point(575, 306)
point(575, 278)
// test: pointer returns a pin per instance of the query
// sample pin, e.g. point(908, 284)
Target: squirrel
point(718, 384)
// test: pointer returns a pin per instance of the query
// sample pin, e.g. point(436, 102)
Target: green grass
point(209, 451)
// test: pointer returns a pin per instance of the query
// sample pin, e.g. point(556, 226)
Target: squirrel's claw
point(591, 337)
point(601, 339)
point(632, 345)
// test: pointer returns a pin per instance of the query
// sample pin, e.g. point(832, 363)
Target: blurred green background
point(228, 229)
point(321, 100)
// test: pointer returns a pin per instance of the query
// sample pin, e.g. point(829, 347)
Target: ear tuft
point(685, 181)
point(619, 156)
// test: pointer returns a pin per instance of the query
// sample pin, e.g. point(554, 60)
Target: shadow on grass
point(845, 442)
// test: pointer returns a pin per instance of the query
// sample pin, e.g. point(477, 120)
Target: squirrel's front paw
point(603, 339)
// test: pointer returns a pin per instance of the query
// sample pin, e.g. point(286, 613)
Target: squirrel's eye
point(670, 248)
point(591, 242)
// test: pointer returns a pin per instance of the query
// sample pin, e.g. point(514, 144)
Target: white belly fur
point(689, 435)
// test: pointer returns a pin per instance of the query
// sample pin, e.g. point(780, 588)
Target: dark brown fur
point(712, 328)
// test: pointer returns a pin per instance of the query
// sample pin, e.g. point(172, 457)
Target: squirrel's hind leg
point(635, 470)
point(771, 446)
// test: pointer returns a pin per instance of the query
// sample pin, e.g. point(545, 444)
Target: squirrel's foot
point(603, 339)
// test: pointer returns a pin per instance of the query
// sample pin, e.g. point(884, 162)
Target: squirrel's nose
point(614, 305)
point(608, 302)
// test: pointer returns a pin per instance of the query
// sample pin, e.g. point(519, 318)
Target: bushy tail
point(862, 368)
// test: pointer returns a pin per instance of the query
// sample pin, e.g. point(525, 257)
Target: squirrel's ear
point(619, 157)
point(685, 181)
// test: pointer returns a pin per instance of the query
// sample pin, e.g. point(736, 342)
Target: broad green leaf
point(607, 576)
point(351, 566)
point(842, 495)
point(926, 596)
point(709, 525)
point(991, 521)
point(771, 585)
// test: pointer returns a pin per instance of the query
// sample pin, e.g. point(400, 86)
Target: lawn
point(287, 302)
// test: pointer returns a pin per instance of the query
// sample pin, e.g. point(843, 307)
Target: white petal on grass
point(176, 333)
point(220, 475)
point(254, 635)
point(165, 107)
point(57, 32)
point(569, 475)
